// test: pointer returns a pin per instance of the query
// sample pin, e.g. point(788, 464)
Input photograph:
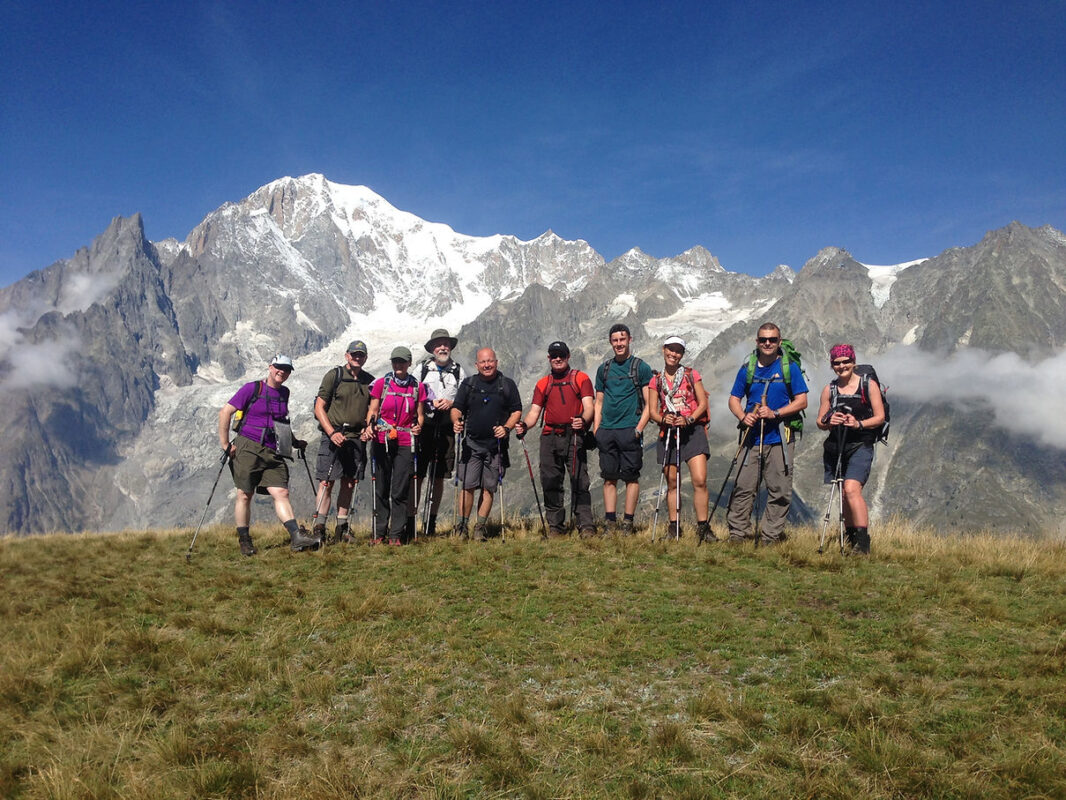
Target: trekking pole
point(373, 492)
point(573, 478)
point(836, 488)
point(417, 490)
point(221, 466)
point(499, 486)
point(677, 490)
point(540, 509)
point(662, 480)
point(455, 478)
point(725, 480)
point(758, 481)
point(430, 481)
point(322, 491)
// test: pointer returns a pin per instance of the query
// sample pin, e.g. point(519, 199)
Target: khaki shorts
point(255, 466)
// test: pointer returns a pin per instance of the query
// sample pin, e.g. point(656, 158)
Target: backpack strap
point(251, 402)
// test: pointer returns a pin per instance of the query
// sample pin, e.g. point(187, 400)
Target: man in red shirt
point(565, 396)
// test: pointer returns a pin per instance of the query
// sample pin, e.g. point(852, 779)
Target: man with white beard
point(441, 375)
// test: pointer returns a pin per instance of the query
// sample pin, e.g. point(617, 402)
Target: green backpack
point(789, 356)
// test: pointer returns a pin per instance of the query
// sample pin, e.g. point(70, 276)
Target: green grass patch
point(604, 668)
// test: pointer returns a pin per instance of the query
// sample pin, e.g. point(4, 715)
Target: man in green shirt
point(340, 408)
point(621, 414)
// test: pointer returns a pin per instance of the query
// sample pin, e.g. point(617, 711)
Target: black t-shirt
point(486, 404)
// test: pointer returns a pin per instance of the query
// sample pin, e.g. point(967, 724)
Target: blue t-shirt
point(777, 394)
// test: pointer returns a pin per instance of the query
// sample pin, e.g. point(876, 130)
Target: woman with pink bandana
point(853, 417)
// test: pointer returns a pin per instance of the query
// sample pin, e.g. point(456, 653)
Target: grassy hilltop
point(609, 668)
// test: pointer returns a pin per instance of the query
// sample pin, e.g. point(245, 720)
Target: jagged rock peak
point(698, 258)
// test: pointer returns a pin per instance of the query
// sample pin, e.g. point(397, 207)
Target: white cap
point(675, 340)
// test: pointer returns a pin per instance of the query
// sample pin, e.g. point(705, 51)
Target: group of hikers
point(425, 422)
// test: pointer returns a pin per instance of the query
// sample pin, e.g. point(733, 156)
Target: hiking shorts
point(436, 442)
point(693, 443)
point(621, 454)
point(347, 461)
point(854, 465)
point(480, 469)
point(256, 466)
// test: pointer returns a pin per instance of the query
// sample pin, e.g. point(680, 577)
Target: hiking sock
point(341, 531)
point(482, 520)
point(610, 516)
point(627, 517)
point(292, 527)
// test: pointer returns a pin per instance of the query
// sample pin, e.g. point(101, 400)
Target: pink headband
point(841, 351)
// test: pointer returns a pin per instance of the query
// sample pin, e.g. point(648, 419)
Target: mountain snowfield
point(167, 332)
point(410, 259)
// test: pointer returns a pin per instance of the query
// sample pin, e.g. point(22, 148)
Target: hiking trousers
point(394, 466)
point(778, 486)
point(556, 461)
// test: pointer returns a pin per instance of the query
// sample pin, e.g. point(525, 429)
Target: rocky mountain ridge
point(119, 358)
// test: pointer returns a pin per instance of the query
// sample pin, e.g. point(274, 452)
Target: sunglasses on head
point(767, 339)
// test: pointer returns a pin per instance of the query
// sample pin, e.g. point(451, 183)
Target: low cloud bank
point(1021, 396)
point(1024, 397)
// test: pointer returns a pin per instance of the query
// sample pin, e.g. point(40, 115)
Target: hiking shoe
point(479, 532)
point(556, 533)
point(247, 548)
point(460, 530)
point(319, 532)
point(301, 541)
point(341, 534)
point(704, 532)
point(395, 542)
point(587, 532)
point(627, 527)
point(375, 540)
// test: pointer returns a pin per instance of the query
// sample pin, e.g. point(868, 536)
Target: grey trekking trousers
point(778, 494)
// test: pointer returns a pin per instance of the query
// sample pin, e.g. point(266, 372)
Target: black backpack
point(634, 369)
point(865, 373)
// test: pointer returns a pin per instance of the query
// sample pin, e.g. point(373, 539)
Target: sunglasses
point(358, 354)
point(767, 339)
point(842, 362)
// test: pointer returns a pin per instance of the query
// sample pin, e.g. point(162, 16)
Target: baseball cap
point(675, 340)
point(401, 352)
point(357, 346)
point(558, 349)
point(281, 362)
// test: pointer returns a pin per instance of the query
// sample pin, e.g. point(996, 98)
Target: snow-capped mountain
point(118, 359)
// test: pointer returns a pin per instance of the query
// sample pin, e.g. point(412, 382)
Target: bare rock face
point(117, 360)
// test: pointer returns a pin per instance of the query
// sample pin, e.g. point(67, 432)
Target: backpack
point(634, 370)
point(686, 376)
point(238, 418)
point(453, 371)
point(789, 355)
point(337, 377)
point(865, 373)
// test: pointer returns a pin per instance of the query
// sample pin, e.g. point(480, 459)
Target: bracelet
point(860, 425)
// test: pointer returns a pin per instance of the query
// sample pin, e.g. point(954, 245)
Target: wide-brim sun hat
point(441, 333)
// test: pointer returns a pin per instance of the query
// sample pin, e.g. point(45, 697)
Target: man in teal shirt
point(621, 414)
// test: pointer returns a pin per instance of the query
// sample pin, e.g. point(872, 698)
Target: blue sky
point(763, 131)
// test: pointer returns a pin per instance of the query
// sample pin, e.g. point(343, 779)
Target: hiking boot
point(587, 532)
point(849, 539)
point(245, 541)
point(862, 541)
point(375, 540)
point(341, 534)
point(319, 532)
point(432, 529)
point(301, 541)
point(704, 532)
point(460, 530)
point(674, 529)
point(627, 527)
point(479, 532)
point(556, 533)
point(394, 542)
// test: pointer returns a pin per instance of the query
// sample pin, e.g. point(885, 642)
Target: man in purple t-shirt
point(254, 459)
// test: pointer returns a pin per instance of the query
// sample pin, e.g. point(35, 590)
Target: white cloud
point(1021, 395)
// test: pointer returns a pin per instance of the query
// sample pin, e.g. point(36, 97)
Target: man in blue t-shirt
point(762, 407)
